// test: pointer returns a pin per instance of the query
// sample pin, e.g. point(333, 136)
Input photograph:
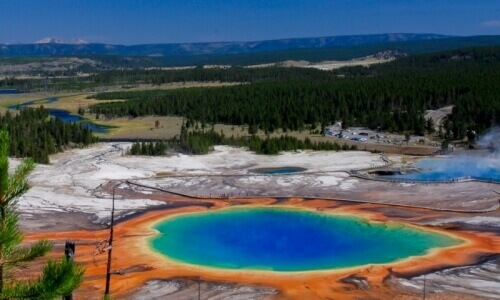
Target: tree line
point(231, 74)
point(202, 142)
point(34, 134)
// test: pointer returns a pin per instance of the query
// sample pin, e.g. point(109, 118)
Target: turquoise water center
point(288, 240)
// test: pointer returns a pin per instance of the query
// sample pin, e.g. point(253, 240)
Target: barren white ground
point(72, 181)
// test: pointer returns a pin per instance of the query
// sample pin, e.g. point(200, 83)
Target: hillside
point(392, 96)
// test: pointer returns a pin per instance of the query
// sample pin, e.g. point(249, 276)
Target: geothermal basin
point(289, 240)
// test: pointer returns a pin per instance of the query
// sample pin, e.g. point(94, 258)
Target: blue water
point(33, 102)
point(21, 105)
point(278, 171)
point(455, 167)
point(67, 117)
point(51, 100)
point(8, 91)
point(64, 115)
point(288, 240)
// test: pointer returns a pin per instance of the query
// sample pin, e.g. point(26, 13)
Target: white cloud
point(491, 23)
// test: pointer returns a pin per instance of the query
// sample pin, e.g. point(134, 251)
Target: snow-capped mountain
point(55, 40)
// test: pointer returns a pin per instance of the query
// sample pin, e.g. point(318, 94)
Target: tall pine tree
point(58, 278)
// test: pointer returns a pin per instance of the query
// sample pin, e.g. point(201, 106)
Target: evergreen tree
point(407, 138)
point(58, 278)
point(430, 126)
point(81, 111)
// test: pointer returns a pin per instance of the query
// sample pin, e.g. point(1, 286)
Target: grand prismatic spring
point(289, 240)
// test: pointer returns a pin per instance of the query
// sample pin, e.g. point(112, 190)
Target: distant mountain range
point(89, 58)
point(58, 47)
point(55, 40)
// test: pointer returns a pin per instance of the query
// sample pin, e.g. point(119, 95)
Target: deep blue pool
point(279, 171)
point(455, 168)
point(288, 240)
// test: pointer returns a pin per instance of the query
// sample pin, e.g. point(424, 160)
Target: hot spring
point(279, 170)
point(455, 168)
point(288, 240)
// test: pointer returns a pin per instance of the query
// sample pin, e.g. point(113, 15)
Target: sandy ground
point(6, 100)
point(439, 115)
point(71, 198)
point(166, 86)
point(322, 65)
point(332, 65)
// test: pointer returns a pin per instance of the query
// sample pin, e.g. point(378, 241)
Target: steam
point(491, 139)
point(483, 165)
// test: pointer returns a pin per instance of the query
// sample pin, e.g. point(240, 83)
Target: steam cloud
point(491, 139)
point(484, 165)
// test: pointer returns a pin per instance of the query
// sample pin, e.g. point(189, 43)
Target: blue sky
point(171, 21)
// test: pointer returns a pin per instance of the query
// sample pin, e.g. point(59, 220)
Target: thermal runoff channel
point(288, 240)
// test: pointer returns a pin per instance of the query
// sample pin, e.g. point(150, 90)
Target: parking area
point(365, 135)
